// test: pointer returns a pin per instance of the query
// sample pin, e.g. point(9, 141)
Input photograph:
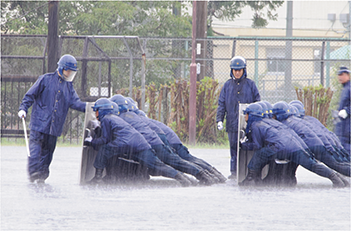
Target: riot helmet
point(300, 107)
point(131, 104)
point(265, 109)
point(115, 108)
point(121, 101)
point(254, 109)
point(237, 63)
point(294, 111)
point(69, 64)
point(281, 110)
point(103, 106)
point(269, 108)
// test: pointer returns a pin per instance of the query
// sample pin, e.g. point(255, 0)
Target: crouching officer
point(164, 153)
point(51, 96)
point(270, 143)
point(119, 138)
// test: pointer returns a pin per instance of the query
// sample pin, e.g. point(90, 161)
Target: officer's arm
point(76, 103)
point(221, 106)
point(31, 95)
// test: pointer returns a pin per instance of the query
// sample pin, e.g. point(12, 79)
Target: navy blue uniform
point(119, 138)
point(51, 97)
point(179, 148)
point(341, 154)
point(162, 152)
point(315, 145)
point(235, 91)
point(342, 129)
point(270, 143)
point(322, 135)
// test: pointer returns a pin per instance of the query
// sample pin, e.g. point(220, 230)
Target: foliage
point(170, 104)
point(229, 10)
point(141, 18)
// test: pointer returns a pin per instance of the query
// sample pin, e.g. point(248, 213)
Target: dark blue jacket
point(152, 125)
point(265, 135)
point(235, 91)
point(51, 98)
point(171, 136)
point(120, 135)
point(342, 129)
point(322, 135)
point(285, 129)
point(304, 132)
point(137, 123)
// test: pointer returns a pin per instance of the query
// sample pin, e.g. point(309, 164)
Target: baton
point(25, 136)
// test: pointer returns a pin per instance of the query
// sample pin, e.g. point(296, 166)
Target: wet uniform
point(51, 97)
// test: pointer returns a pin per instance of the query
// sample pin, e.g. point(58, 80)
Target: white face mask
point(68, 75)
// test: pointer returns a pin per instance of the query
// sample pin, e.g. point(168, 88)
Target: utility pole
point(201, 32)
point(288, 50)
point(52, 49)
point(192, 95)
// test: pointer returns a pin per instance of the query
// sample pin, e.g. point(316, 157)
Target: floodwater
point(162, 204)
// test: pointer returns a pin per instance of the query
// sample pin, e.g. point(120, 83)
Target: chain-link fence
point(109, 63)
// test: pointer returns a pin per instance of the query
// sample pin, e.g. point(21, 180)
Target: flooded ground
point(161, 204)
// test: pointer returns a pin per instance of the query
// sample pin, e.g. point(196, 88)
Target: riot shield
point(120, 168)
point(244, 156)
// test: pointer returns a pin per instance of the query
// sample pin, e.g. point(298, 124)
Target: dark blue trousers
point(233, 142)
point(183, 152)
point(145, 157)
point(265, 155)
point(324, 156)
point(166, 155)
point(41, 147)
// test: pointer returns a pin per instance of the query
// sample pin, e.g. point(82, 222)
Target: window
point(275, 58)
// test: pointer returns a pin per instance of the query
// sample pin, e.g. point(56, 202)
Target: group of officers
point(121, 128)
point(124, 130)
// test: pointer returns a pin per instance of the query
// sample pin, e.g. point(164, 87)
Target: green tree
point(230, 10)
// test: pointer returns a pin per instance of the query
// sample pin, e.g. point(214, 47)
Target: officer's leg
point(322, 155)
point(233, 141)
point(184, 153)
point(158, 168)
point(307, 161)
point(258, 161)
point(36, 140)
point(167, 156)
point(48, 148)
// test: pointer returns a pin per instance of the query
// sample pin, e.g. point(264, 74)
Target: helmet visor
point(69, 75)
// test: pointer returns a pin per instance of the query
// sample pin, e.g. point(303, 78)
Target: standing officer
point(342, 129)
point(238, 89)
point(51, 96)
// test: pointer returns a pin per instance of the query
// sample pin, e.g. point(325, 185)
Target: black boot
point(34, 176)
point(98, 177)
point(219, 175)
point(344, 179)
point(252, 179)
point(214, 178)
point(204, 178)
point(182, 179)
point(337, 182)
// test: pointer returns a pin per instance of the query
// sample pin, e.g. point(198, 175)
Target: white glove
point(95, 123)
point(22, 113)
point(343, 113)
point(220, 125)
point(88, 139)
